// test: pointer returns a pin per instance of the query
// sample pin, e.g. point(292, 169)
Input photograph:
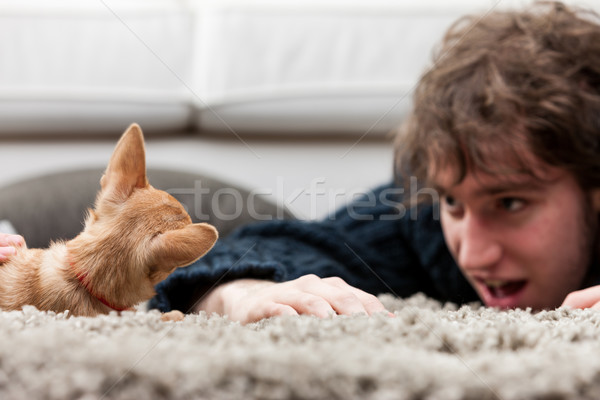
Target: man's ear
point(181, 247)
point(127, 166)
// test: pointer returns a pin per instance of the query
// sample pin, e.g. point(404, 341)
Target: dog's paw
point(174, 315)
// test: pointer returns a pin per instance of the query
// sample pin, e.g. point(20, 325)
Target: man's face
point(520, 241)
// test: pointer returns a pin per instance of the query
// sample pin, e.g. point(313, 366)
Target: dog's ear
point(127, 166)
point(181, 247)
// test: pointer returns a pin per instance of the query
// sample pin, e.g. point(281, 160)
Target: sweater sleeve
point(370, 243)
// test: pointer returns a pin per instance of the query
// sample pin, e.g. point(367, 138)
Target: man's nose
point(479, 247)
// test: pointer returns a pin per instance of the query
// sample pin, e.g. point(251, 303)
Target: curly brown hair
point(503, 85)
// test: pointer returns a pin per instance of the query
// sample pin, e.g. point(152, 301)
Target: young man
point(506, 127)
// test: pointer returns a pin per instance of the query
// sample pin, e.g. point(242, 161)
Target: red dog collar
point(82, 277)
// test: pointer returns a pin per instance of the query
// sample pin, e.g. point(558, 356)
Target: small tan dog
point(133, 239)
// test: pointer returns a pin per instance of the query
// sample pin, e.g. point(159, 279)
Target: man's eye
point(511, 204)
point(449, 200)
point(450, 203)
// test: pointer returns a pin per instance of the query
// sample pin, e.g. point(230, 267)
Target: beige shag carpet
point(428, 351)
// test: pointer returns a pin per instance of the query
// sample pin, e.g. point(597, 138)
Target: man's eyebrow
point(497, 187)
point(503, 187)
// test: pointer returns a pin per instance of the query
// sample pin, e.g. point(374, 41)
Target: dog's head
point(141, 227)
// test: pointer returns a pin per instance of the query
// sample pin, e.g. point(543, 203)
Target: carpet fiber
point(428, 351)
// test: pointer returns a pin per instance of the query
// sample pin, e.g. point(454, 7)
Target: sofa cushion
point(53, 206)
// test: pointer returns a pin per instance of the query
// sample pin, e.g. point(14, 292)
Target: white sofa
point(259, 84)
point(261, 66)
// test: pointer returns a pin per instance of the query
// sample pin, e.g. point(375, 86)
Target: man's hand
point(586, 298)
point(250, 300)
point(8, 244)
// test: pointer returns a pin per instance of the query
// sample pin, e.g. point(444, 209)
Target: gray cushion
point(54, 206)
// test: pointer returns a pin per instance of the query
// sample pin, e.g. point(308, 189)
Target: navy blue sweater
point(374, 244)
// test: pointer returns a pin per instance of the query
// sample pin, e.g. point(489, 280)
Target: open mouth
point(501, 289)
point(502, 293)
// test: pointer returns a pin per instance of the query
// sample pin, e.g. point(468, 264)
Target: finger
point(339, 296)
point(370, 303)
point(342, 300)
point(6, 252)
point(582, 298)
point(306, 303)
point(267, 311)
point(7, 240)
point(279, 310)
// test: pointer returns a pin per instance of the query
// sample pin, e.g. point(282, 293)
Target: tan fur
point(134, 238)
